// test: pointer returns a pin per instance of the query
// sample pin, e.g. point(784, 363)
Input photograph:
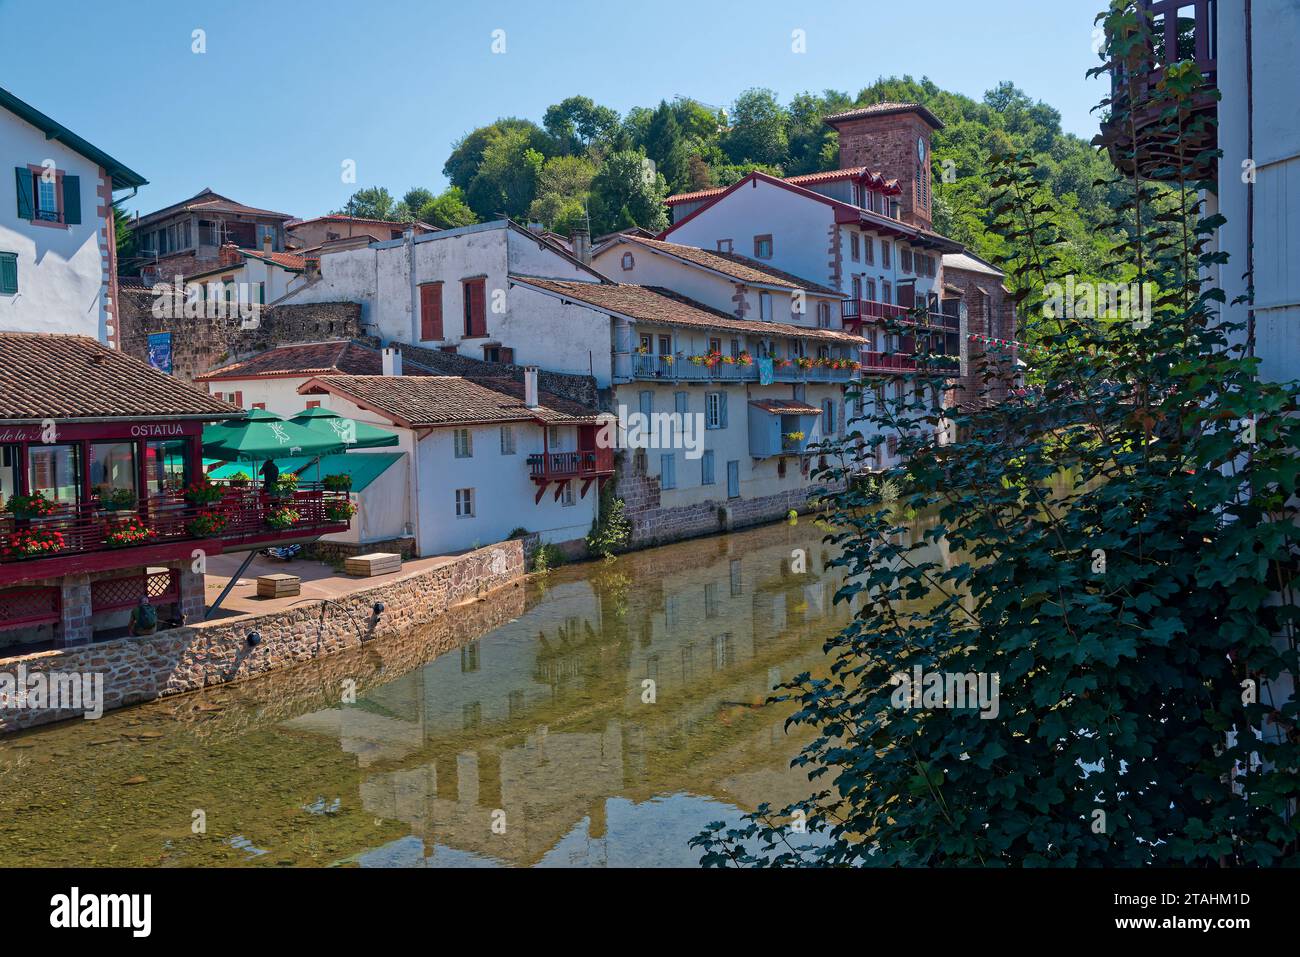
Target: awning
point(363, 467)
point(353, 434)
point(264, 435)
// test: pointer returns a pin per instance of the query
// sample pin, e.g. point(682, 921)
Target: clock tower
point(892, 139)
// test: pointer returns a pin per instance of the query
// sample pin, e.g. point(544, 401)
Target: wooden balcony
point(588, 465)
point(83, 535)
point(1170, 39)
point(664, 369)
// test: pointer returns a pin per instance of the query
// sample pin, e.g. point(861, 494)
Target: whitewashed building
point(58, 251)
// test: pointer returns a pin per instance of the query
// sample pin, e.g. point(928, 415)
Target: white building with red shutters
point(58, 251)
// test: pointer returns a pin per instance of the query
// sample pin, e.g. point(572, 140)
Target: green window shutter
point(722, 409)
point(72, 200)
point(26, 204)
point(8, 273)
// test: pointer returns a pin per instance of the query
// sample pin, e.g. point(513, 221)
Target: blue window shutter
point(26, 202)
point(72, 200)
point(647, 402)
point(722, 409)
point(682, 400)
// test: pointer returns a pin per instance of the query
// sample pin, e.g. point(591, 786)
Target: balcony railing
point(1173, 39)
point(245, 512)
point(679, 369)
point(888, 362)
point(871, 309)
point(566, 465)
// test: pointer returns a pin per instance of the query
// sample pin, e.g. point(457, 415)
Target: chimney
point(228, 255)
point(535, 228)
point(892, 139)
point(268, 244)
point(530, 386)
point(580, 240)
point(392, 361)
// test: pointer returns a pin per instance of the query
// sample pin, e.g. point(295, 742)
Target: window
point(733, 479)
point(475, 291)
point(724, 245)
point(765, 306)
point(566, 496)
point(857, 287)
point(715, 345)
point(646, 341)
point(870, 289)
point(464, 443)
point(553, 438)
point(8, 274)
point(715, 410)
point(868, 250)
point(164, 466)
point(886, 291)
point(884, 253)
point(855, 247)
point(905, 259)
point(828, 417)
point(706, 468)
point(112, 466)
point(668, 471)
point(47, 200)
point(464, 503)
point(629, 262)
point(735, 347)
point(55, 471)
point(665, 345)
point(48, 196)
point(763, 247)
point(824, 314)
point(507, 440)
point(431, 310)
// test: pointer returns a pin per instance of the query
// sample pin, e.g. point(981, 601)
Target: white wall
point(503, 492)
point(279, 395)
point(61, 284)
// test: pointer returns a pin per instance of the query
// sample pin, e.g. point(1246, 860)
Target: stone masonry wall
point(184, 659)
point(989, 312)
point(200, 344)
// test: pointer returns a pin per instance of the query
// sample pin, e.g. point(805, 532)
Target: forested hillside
point(585, 163)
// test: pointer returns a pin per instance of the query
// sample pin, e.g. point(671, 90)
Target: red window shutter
point(431, 310)
point(508, 356)
point(239, 399)
point(262, 405)
point(475, 307)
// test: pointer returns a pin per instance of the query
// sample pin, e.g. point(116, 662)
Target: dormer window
point(629, 262)
point(763, 247)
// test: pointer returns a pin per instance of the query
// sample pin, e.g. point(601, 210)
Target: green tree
point(758, 129)
point(666, 146)
point(505, 182)
point(562, 192)
point(447, 210)
point(467, 152)
point(575, 123)
point(628, 192)
point(373, 202)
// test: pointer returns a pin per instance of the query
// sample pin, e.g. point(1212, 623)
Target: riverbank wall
point(147, 667)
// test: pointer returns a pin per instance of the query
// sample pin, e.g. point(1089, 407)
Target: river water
point(597, 716)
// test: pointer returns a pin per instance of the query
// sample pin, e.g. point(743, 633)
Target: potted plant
point(35, 505)
point(240, 480)
point(284, 486)
point(282, 517)
point(115, 499)
point(202, 491)
point(337, 483)
point(131, 532)
point(697, 360)
point(803, 362)
point(745, 359)
point(32, 543)
point(207, 523)
point(339, 511)
point(793, 436)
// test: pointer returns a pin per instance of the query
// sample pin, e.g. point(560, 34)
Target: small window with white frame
point(629, 262)
point(464, 503)
point(765, 306)
point(464, 443)
point(567, 497)
point(507, 440)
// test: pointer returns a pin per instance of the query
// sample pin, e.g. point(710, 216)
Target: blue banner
point(160, 351)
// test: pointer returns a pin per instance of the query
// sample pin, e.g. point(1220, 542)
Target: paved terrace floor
point(318, 581)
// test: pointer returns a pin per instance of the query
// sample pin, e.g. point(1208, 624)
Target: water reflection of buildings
point(548, 718)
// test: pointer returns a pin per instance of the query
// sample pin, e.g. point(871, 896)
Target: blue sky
point(286, 91)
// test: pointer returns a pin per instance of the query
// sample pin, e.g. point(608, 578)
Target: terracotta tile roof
point(341, 356)
point(732, 264)
point(655, 304)
point(286, 260)
point(803, 179)
point(294, 224)
point(429, 401)
point(884, 109)
point(785, 407)
point(206, 201)
point(74, 377)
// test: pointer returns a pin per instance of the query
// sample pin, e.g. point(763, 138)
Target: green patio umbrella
point(265, 435)
point(353, 434)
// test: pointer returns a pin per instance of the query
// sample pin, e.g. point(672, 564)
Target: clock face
point(920, 148)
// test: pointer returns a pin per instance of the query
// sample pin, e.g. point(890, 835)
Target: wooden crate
point(376, 563)
point(278, 586)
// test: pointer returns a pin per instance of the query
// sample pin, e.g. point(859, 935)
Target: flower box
point(35, 505)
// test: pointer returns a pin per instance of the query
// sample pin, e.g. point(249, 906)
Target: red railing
point(168, 517)
point(870, 309)
point(562, 465)
point(888, 362)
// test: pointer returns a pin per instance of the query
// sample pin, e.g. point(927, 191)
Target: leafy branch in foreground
point(1117, 547)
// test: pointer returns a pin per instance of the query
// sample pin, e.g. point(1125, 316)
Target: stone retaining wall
point(143, 668)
